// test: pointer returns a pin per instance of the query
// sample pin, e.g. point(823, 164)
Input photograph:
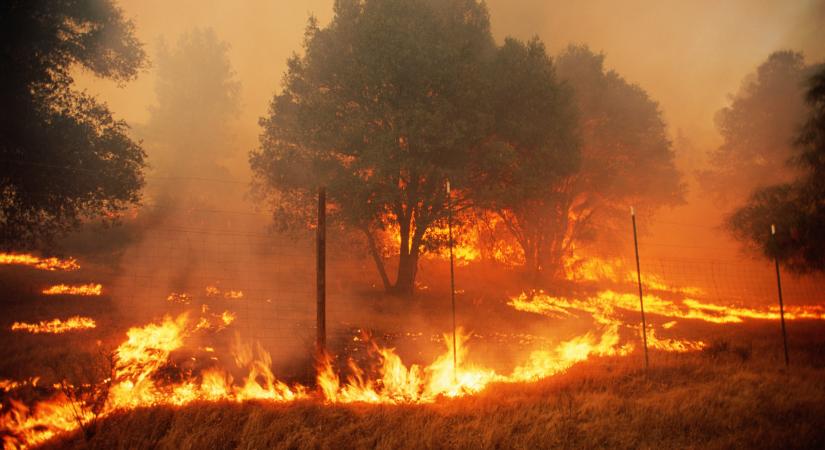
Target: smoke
point(204, 231)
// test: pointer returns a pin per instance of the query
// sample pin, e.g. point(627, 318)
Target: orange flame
point(82, 289)
point(606, 301)
point(37, 262)
point(55, 326)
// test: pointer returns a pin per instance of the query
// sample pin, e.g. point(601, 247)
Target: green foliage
point(65, 158)
point(796, 207)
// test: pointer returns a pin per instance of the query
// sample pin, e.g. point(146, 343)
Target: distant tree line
point(385, 104)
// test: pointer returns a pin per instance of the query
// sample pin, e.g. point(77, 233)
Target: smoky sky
point(688, 55)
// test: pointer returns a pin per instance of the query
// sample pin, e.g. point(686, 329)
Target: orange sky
point(689, 55)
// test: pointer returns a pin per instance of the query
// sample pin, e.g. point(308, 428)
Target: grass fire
point(412, 224)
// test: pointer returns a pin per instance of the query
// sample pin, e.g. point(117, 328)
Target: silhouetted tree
point(758, 129)
point(626, 158)
point(384, 106)
point(190, 126)
point(796, 207)
point(64, 157)
point(531, 151)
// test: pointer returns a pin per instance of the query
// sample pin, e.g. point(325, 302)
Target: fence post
point(779, 288)
point(320, 275)
point(639, 277)
point(452, 276)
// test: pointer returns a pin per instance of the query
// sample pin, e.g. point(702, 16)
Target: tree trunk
point(376, 257)
point(407, 268)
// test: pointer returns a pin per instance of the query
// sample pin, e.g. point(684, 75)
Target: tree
point(626, 159)
point(797, 207)
point(197, 98)
point(533, 148)
point(65, 157)
point(758, 129)
point(385, 105)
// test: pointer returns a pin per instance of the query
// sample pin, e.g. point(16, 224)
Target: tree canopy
point(626, 157)
point(533, 147)
point(65, 158)
point(384, 106)
point(758, 128)
point(189, 127)
point(797, 208)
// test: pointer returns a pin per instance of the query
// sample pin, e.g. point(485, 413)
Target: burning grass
point(90, 290)
point(51, 264)
point(715, 399)
point(56, 326)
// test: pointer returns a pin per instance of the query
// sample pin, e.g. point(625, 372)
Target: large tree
point(797, 207)
point(532, 150)
point(626, 159)
point(65, 158)
point(386, 104)
point(758, 129)
point(189, 128)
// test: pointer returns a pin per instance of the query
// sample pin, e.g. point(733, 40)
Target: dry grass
point(709, 400)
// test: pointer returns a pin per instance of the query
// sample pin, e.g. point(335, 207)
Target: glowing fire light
point(56, 326)
point(214, 291)
point(91, 289)
point(181, 298)
point(605, 301)
point(38, 263)
point(147, 350)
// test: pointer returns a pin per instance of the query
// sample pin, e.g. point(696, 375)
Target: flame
point(214, 291)
point(32, 426)
point(580, 268)
point(91, 289)
point(147, 353)
point(545, 363)
point(606, 301)
point(397, 383)
point(55, 326)
point(181, 298)
point(672, 344)
point(233, 294)
point(37, 262)
point(10, 385)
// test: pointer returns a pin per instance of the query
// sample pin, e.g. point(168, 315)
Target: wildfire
point(214, 291)
point(10, 385)
point(181, 298)
point(56, 326)
point(92, 289)
point(37, 262)
point(148, 351)
point(606, 301)
point(578, 268)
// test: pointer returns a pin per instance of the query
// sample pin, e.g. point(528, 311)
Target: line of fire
point(412, 224)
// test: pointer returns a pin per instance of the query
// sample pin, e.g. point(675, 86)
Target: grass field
point(736, 393)
point(720, 398)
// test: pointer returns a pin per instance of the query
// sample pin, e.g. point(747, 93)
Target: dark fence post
point(452, 276)
point(639, 276)
point(320, 275)
point(779, 288)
